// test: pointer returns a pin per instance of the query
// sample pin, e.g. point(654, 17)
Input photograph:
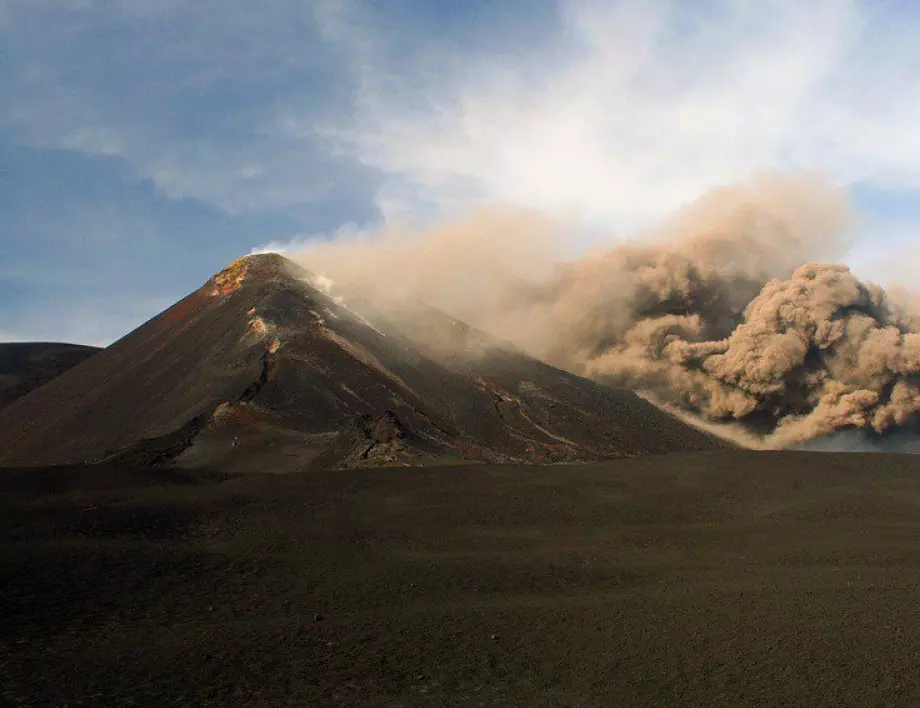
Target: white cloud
point(616, 114)
point(190, 96)
point(638, 106)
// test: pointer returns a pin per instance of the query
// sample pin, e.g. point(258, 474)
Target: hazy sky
point(146, 143)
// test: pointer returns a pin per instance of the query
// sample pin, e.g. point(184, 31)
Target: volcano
point(267, 366)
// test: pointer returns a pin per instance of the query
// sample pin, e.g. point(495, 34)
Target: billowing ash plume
point(714, 314)
point(812, 355)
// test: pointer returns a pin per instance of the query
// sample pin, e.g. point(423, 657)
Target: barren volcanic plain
point(704, 579)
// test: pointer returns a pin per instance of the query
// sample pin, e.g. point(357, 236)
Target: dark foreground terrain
point(707, 579)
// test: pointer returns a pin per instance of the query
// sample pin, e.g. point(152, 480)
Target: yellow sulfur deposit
point(231, 277)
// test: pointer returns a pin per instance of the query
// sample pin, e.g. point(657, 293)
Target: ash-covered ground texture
point(24, 366)
point(267, 368)
point(729, 579)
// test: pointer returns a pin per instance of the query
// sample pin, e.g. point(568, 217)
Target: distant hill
point(266, 367)
point(25, 366)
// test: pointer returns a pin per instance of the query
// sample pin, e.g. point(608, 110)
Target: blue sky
point(146, 143)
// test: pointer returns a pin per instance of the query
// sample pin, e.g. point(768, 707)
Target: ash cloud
point(734, 312)
point(813, 354)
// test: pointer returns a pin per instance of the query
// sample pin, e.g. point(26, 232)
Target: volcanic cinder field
point(274, 494)
point(706, 579)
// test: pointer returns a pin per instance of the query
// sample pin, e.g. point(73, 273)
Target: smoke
point(908, 300)
point(813, 354)
point(485, 270)
point(712, 314)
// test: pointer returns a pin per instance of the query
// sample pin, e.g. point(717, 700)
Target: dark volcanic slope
point(728, 580)
point(263, 368)
point(25, 366)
